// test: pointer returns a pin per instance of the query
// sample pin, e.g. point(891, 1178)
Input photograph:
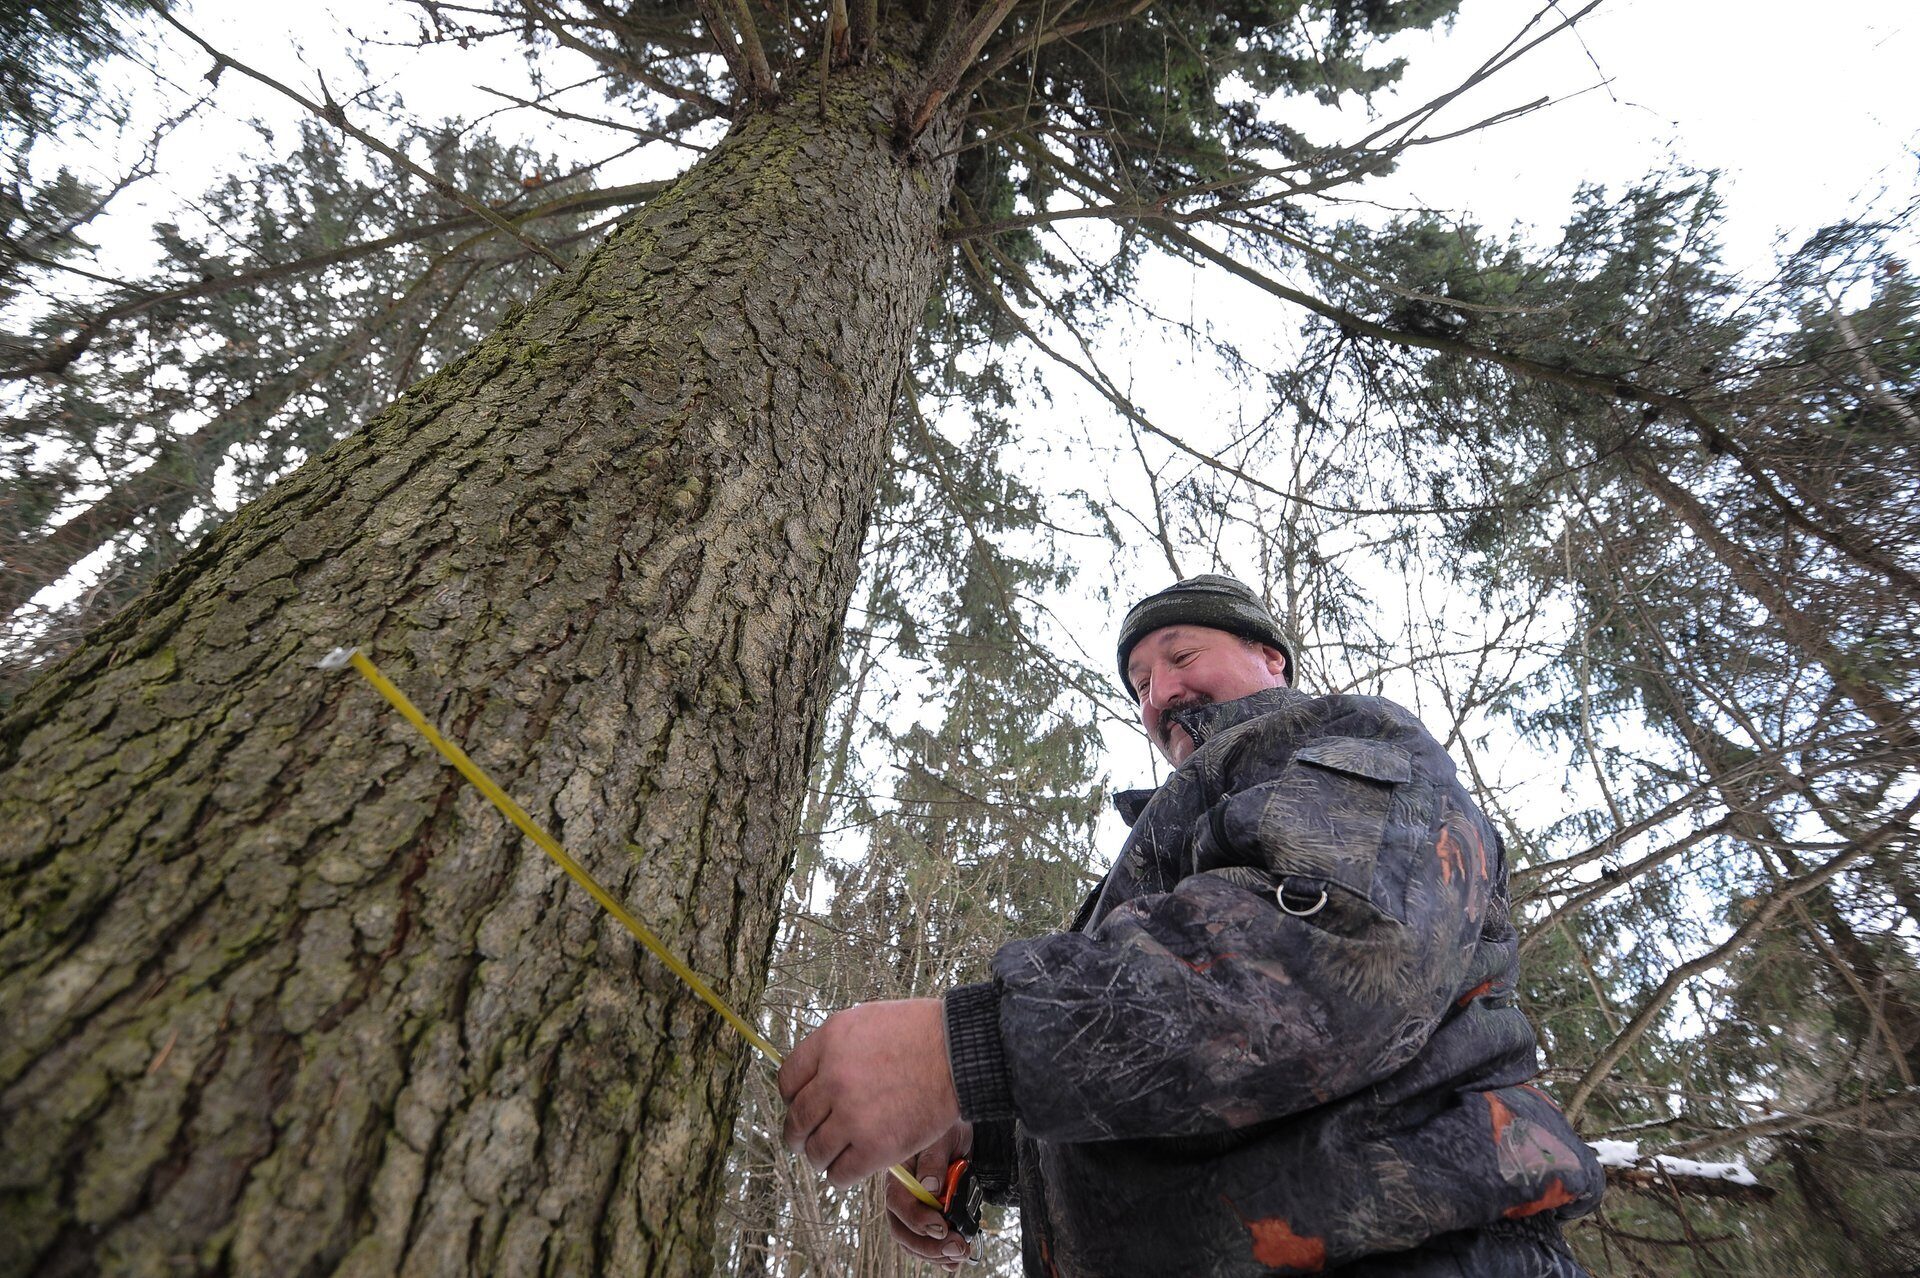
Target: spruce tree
point(283, 994)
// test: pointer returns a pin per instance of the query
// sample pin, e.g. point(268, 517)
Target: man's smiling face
point(1176, 667)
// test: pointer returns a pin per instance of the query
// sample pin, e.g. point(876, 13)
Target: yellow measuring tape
point(340, 658)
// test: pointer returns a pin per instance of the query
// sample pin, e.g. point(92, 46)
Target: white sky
point(1809, 112)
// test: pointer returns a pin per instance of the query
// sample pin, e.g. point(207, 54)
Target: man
point(1281, 1036)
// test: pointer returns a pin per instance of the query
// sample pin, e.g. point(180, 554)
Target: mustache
point(1167, 725)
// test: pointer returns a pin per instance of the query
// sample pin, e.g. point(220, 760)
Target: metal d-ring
point(1280, 895)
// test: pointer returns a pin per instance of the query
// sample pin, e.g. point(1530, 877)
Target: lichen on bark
point(282, 995)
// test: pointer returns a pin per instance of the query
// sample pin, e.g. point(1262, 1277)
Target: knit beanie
point(1206, 600)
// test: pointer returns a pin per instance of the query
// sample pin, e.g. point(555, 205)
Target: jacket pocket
point(1358, 757)
point(1325, 816)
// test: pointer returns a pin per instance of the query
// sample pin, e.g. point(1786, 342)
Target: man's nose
point(1165, 689)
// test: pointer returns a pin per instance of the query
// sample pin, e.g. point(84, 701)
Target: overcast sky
point(1808, 111)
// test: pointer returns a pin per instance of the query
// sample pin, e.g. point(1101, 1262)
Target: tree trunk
point(1748, 798)
point(1801, 631)
point(1748, 801)
point(181, 475)
point(282, 995)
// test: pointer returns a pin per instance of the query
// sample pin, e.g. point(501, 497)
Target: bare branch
point(546, 108)
point(1091, 374)
point(1613, 880)
point(759, 82)
point(1761, 912)
point(944, 78)
point(1863, 1116)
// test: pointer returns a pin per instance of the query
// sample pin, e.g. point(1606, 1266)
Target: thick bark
point(281, 995)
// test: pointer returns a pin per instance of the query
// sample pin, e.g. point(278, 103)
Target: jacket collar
point(1131, 803)
point(1203, 724)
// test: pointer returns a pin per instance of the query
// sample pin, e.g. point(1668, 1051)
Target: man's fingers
point(913, 1213)
point(917, 1244)
point(827, 1144)
point(804, 1116)
point(851, 1165)
point(949, 1251)
point(931, 1161)
point(798, 1069)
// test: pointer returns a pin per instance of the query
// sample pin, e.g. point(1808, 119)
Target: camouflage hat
point(1206, 600)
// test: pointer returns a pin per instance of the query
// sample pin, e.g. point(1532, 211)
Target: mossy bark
point(280, 994)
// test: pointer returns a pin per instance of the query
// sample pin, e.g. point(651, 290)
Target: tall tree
point(282, 995)
point(953, 810)
point(49, 54)
point(316, 289)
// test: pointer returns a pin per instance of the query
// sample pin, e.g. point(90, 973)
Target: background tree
point(1727, 546)
point(924, 845)
point(317, 289)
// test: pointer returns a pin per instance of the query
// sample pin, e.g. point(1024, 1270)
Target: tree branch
point(1865, 1116)
point(1104, 385)
point(331, 112)
point(614, 61)
point(731, 25)
point(58, 358)
point(760, 84)
point(651, 135)
point(1762, 911)
point(1013, 50)
point(944, 78)
point(1660, 1182)
point(864, 24)
point(1804, 632)
point(1617, 879)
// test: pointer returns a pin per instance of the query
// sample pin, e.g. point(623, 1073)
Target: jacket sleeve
point(1330, 913)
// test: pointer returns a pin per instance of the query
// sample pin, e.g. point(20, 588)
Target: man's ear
point(1276, 662)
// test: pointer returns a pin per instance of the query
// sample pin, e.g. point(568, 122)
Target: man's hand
point(917, 1227)
point(869, 1087)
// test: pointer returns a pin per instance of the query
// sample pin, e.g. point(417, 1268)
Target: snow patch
point(1626, 1154)
point(1734, 1173)
point(1617, 1153)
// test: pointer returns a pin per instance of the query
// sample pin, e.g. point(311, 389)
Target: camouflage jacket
point(1281, 1038)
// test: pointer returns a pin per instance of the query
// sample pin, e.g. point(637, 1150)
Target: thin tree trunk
point(1803, 632)
point(182, 472)
point(283, 996)
point(1747, 801)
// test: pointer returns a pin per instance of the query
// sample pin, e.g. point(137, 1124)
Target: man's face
point(1176, 667)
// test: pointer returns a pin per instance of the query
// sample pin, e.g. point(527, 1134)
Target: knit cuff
point(995, 1162)
point(974, 1053)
